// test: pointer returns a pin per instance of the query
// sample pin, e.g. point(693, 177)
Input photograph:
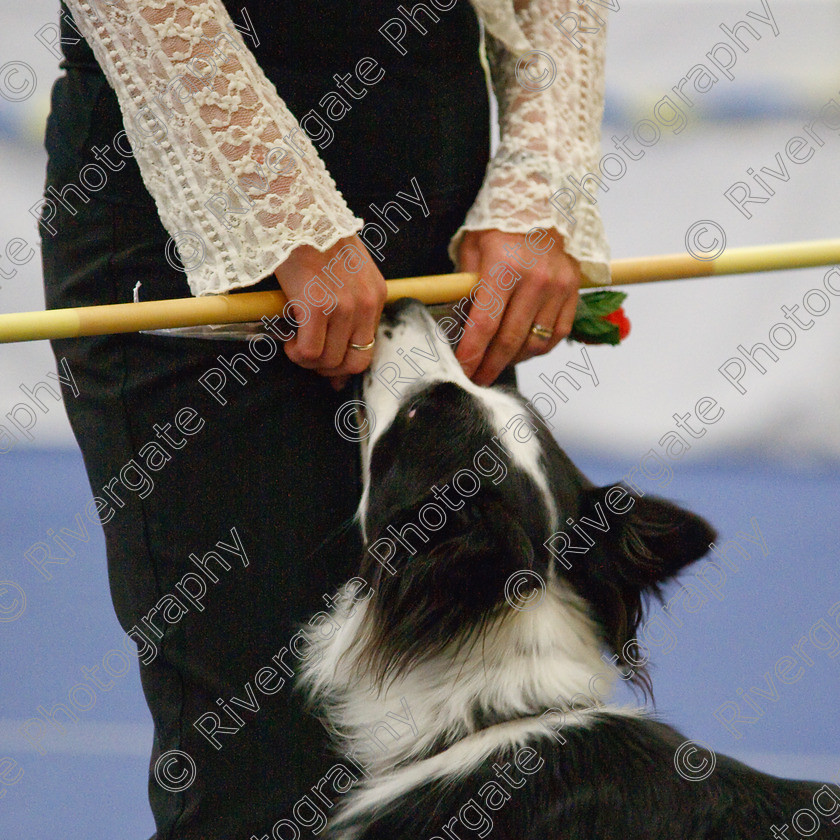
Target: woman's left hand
point(546, 294)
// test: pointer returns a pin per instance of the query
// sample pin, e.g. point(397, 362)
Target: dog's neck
point(526, 663)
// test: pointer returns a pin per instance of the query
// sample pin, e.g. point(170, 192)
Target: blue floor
point(88, 780)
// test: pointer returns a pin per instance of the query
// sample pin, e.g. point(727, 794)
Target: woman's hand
point(545, 294)
point(343, 305)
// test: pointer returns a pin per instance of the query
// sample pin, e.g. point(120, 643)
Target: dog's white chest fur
point(525, 662)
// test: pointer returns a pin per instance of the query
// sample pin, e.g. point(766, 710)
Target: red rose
point(599, 318)
point(621, 321)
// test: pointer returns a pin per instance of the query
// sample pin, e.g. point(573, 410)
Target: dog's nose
point(399, 311)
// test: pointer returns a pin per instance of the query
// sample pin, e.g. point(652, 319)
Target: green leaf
point(601, 302)
point(595, 330)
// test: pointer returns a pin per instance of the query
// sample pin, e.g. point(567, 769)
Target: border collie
point(489, 629)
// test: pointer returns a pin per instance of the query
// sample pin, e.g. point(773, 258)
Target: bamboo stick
point(756, 258)
point(252, 306)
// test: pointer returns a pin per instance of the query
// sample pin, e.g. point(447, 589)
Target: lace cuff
point(237, 183)
point(549, 134)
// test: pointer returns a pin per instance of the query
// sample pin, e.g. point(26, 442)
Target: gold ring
point(363, 347)
point(542, 332)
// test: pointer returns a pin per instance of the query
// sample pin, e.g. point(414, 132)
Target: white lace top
point(233, 125)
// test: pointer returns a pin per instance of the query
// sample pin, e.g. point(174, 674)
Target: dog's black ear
point(634, 544)
point(649, 539)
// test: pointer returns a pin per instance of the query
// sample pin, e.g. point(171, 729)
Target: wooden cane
point(444, 288)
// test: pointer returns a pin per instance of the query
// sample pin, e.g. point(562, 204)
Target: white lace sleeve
point(546, 136)
point(227, 164)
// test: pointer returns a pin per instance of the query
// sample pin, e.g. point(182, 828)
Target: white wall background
point(683, 331)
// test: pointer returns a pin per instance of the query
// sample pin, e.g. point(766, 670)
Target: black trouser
point(267, 469)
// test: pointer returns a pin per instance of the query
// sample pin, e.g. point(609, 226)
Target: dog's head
point(468, 501)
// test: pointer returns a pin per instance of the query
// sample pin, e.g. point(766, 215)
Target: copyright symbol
point(167, 774)
point(355, 421)
point(15, 608)
point(17, 81)
point(190, 251)
point(530, 76)
point(701, 250)
point(524, 590)
point(691, 767)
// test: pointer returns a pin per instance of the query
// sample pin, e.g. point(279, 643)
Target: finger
point(481, 325)
point(355, 361)
point(480, 328)
point(358, 357)
point(339, 329)
point(355, 313)
point(358, 351)
point(358, 354)
point(306, 347)
point(486, 315)
point(469, 254)
point(566, 318)
point(546, 319)
point(558, 316)
point(514, 332)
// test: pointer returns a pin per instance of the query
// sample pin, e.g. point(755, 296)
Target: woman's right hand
point(339, 315)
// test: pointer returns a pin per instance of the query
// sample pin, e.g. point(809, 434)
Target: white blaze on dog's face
point(456, 492)
point(411, 359)
point(409, 355)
